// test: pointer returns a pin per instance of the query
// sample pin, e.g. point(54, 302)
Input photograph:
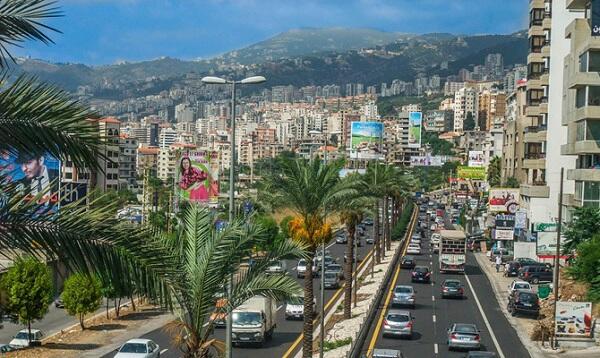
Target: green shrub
point(330, 345)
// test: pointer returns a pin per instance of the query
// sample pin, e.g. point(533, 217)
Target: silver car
point(404, 295)
point(463, 336)
point(398, 323)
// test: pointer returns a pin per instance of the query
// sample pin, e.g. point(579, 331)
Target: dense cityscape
point(326, 192)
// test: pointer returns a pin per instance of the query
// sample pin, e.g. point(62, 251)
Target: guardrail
point(359, 340)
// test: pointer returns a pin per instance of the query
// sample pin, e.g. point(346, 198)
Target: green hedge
point(400, 228)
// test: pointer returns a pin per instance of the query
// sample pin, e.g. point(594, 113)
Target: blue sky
point(105, 31)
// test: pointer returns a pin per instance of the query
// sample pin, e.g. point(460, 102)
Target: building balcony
point(535, 29)
point(535, 135)
point(536, 4)
point(574, 4)
point(537, 190)
point(583, 174)
point(532, 111)
point(547, 22)
point(535, 57)
point(534, 161)
point(570, 201)
point(580, 147)
point(579, 79)
point(534, 82)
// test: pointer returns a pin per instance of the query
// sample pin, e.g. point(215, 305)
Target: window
point(535, 70)
point(592, 130)
point(68, 175)
point(580, 131)
point(536, 16)
point(583, 62)
point(593, 96)
point(580, 97)
point(536, 43)
point(591, 194)
point(578, 190)
point(594, 61)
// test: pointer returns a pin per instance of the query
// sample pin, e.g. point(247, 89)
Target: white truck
point(254, 321)
point(453, 249)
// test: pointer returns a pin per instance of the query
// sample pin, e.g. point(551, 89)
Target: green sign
point(545, 227)
point(471, 173)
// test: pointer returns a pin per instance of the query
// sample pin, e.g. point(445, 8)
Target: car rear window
point(398, 317)
point(421, 269)
point(522, 285)
point(465, 328)
point(403, 290)
point(527, 297)
point(452, 283)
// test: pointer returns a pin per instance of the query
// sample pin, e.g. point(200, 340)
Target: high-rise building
point(127, 162)
point(494, 64)
point(492, 105)
point(108, 177)
point(465, 105)
point(512, 151)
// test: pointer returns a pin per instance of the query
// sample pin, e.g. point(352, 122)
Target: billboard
point(471, 173)
point(345, 172)
point(476, 159)
point(546, 244)
point(504, 200)
point(505, 222)
point(34, 174)
point(573, 318)
point(415, 125)
point(72, 192)
point(521, 219)
point(426, 161)
point(500, 234)
point(198, 176)
point(366, 140)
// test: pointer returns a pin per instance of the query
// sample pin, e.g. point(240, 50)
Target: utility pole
point(557, 257)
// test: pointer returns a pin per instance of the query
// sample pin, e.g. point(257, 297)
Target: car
point(452, 288)
point(526, 261)
point(435, 238)
point(518, 285)
point(301, 268)
point(435, 248)
point(408, 262)
point(386, 353)
point(420, 274)
point(317, 264)
point(463, 336)
point(398, 323)
point(413, 249)
point(355, 258)
point(525, 302)
point(536, 274)
point(331, 280)
point(368, 222)
point(341, 239)
point(142, 348)
point(404, 295)
point(370, 240)
point(275, 268)
point(58, 303)
point(294, 307)
point(21, 338)
point(415, 240)
point(337, 269)
point(515, 265)
point(481, 354)
point(5, 348)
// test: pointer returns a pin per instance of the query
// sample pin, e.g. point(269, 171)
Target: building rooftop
point(148, 150)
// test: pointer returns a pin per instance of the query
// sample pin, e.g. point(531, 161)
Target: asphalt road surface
point(287, 331)
point(433, 315)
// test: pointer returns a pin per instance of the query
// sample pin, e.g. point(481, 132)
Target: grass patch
point(339, 308)
point(330, 345)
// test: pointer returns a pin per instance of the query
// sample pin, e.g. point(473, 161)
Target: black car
point(420, 274)
point(525, 302)
point(452, 288)
point(516, 264)
point(408, 262)
point(536, 274)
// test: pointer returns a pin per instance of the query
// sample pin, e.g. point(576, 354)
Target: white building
point(466, 100)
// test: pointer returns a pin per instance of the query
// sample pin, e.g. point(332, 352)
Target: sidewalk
point(523, 325)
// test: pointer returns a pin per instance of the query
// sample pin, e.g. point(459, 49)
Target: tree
point(494, 175)
point(310, 189)
point(271, 232)
point(438, 146)
point(586, 268)
point(28, 288)
point(82, 294)
point(512, 182)
point(585, 224)
point(284, 226)
point(469, 123)
point(205, 259)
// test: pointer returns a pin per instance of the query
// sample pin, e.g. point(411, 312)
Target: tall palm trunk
point(376, 234)
point(308, 306)
point(348, 272)
point(386, 224)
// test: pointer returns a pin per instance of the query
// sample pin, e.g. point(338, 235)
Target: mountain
point(311, 41)
point(284, 60)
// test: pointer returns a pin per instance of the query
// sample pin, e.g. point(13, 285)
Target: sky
point(97, 32)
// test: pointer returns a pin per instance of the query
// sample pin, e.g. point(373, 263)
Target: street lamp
point(222, 81)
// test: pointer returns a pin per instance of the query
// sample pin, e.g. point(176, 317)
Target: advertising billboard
point(415, 125)
point(366, 140)
point(505, 222)
point(33, 174)
point(198, 176)
point(471, 173)
point(546, 243)
point(521, 219)
point(503, 234)
point(426, 161)
point(476, 159)
point(504, 200)
point(72, 192)
point(573, 318)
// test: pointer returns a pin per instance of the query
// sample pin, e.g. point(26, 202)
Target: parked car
point(385, 353)
point(404, 295)
point(413, 249)
point(5, 348)
point(408, 262)
point(370, 240)
point(415, 240)
point(355, 258)
point(58, 303)
point(481, 354)
point(536, 274)
point(275, 268)
point(452, 288)
point(331, 280)
point(518, 285)
point(142, 348)
point(463, 336)
point(368, 222)
point(294, 307)
point(512, 269)
point(398, 323)
point(526, 261)
point(420, 274)
point(21, 338)
point(337, 269)
point(341, 239)
point(525, 302)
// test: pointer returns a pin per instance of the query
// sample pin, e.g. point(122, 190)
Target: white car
point(435, 238)
point(294, 307)
point(21, 341)
point(138, 348)
point(415, 240)
point(413, 249)
point(275, 268)
point(518, 285)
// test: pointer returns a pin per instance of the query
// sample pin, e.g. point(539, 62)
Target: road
point(433, 315)
point(286, 332)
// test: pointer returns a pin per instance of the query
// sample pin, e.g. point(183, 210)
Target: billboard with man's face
point(198, 176)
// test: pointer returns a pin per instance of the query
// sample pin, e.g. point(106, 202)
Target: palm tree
point(403, 184)
point(206, 257)
point(310, 189)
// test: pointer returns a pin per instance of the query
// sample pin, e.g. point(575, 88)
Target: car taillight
point(526, 274)
point(476, 337)
point(409, 325)
point(385, 322)
point(414, 273)
point(461, 290)
point(428, 273)
point(453, 336)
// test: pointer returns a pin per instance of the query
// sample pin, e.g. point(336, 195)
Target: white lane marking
point(487, 323)
point(435, 348)
point(164, 350)
point(432, 284)
point(434, 318)
point(206, 324)
point(430, 255)
point(433, 298)
point(330, 245)
point(431, 262)
point(278, 308)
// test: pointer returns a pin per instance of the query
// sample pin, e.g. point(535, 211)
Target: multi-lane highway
point(433, 315)
point(286, 336)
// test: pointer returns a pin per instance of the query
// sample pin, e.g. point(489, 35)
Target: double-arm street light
point(222, 81)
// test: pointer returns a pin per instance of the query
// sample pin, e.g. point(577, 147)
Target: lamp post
point(222, 81)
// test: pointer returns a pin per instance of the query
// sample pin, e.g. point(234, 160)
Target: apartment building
point(512, 149)
point(466, 103)
point(147, 160)
point(108, 178)
point(167, 159)
point(492, 106)
point(128, 162)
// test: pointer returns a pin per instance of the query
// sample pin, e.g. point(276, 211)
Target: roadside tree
point(82, 294)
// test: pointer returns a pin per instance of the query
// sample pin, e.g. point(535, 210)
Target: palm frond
point(20, 20)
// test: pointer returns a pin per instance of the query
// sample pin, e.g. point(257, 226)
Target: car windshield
point(421, 269)
point(398, 317)
point(22, 335)
point(246, 318)
point(302, 262)
point(521, 286)
point(335, 268)
point(296, 300)
point(408, 258)
point(403, 290)
point(330, 275)
point(133, 348)
point(465, 328)
point(452, 283)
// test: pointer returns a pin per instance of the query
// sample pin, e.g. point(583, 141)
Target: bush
point(82, 295)
point(403, 222)
point(330, 345)
point(586, 267)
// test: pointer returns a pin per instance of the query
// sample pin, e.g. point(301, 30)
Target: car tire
point(535, 280)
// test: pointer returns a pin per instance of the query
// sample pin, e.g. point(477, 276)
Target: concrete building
point(492, 105)
point(167, 137)
point(167, 160)
point(147, 159)
point(513, 151)
point(466, 103)
point(108, 178)
point(128, 163)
